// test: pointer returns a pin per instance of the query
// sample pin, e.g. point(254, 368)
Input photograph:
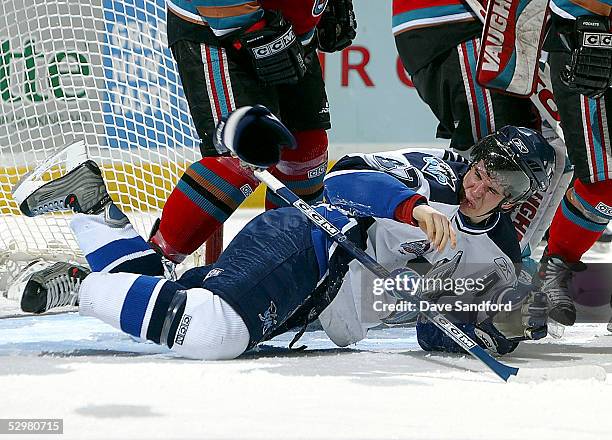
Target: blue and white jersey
point(372, 186)
point(570, 9)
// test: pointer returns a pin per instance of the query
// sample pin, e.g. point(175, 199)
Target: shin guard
point(575, 229)
point(206, 195)
point(302, 169)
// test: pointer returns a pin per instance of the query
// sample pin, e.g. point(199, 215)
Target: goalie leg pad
point(508, 61)
point(302, 170)
point(206, 195)
point(203, 327)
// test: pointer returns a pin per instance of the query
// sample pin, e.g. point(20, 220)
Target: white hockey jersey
point(373, 185)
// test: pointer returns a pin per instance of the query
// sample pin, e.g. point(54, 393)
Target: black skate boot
point(81, 190)
point(55, 286)
point(552, 278)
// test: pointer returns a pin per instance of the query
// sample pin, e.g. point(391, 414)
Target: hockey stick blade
point(501, 370)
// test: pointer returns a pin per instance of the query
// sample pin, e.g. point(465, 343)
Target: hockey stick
point(501, 370)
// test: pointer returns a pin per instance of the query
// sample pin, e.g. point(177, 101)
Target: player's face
point(480, 194)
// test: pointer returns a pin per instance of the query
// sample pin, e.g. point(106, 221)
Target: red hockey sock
point(206, 195)
point(571, 233)
point(302, 169)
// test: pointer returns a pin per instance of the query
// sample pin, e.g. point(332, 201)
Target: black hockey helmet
point(519, 158)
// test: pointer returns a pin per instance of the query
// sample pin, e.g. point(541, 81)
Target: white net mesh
point(97, 70)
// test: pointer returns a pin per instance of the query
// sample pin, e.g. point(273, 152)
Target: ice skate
point(553, 277)
point(81, 190)
point(55, 286)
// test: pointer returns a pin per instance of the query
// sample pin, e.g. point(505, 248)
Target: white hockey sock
point(209, 328)
point(105, 246)
point(103, 295)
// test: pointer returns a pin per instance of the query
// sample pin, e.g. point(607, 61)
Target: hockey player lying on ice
point(280, 272)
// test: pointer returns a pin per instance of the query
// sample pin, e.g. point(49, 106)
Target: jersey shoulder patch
point(401, 170)
point(440, 171)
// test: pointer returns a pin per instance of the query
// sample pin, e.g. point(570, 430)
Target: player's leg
point(256, 274)
point(586, 208)
point(215, 83)
point(304, 110)
point(103, 232)
point(252, 292)
point(466, 111)
point(205, 196)
point(126, 288)
point(194, 323)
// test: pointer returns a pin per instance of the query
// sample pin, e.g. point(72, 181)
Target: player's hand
point(436, 225)
point(275, 52)
point(527, 321)
point(589, 71)
point(338, 27)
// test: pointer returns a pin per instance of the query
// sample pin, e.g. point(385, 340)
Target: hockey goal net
point(97, 71)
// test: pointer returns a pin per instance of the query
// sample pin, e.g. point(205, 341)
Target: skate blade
point(70, 156)
point(555, 329)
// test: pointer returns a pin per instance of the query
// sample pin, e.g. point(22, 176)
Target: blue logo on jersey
point(403, 171)
point(319, 7)
point(441, 171)
point(416, 248)
point(389, 163)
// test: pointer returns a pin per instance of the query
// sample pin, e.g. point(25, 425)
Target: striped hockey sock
point(206, 195)
point(302, 170)
point(571, 233)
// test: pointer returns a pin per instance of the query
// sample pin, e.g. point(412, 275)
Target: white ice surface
point(106, 385)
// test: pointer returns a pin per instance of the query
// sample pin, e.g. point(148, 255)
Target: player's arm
point(365, 191)
point(358, 186)
point(498, 332)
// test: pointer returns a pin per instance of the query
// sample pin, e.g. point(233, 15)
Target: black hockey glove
point(275, 52)
point(528, 317)
point(590, 68)
point(338, 27)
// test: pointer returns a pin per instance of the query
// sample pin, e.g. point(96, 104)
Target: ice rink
point(105, 385)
